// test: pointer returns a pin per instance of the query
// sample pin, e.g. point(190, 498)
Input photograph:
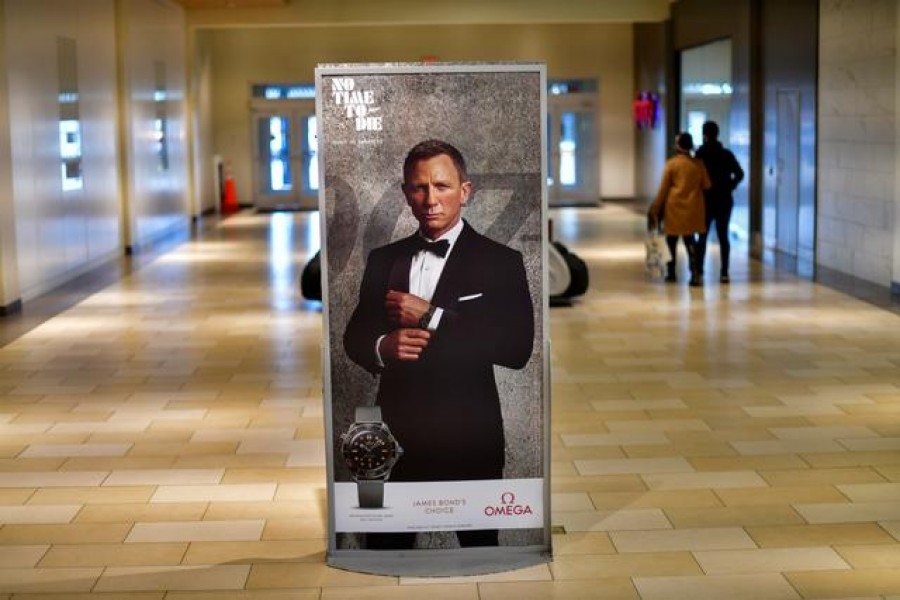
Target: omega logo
point(508, 507)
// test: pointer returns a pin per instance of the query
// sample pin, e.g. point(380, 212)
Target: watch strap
point(371, 493)
point(368, 414)
point(425, 321)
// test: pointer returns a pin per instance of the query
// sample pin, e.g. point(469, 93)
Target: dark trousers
point(690, 244)
point(720, 212)
point(406, 541)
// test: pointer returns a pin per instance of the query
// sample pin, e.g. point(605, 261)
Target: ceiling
point(313, 13)
point(220, 4)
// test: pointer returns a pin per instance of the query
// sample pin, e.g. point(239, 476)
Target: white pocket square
point(471, 297)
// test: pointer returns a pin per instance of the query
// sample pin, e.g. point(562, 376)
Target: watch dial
point(369, 452)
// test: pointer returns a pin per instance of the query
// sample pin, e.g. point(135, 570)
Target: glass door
point(286, 169)
point(573, 172)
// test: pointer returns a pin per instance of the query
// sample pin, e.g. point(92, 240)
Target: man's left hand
point(405, 310)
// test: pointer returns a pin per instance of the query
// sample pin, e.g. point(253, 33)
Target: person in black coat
point(437, 310)
point(725, 173)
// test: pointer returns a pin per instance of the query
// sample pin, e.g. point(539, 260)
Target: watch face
point(370, 450)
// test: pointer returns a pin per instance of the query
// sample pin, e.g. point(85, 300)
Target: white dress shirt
point(424, 273)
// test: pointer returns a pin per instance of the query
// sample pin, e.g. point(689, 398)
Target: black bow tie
point(439, 247)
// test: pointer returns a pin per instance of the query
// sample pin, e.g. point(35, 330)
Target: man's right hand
point(404, 344)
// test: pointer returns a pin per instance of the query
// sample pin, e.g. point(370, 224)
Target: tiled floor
point(163, 437)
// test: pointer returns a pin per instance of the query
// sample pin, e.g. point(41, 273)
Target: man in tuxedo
point(437, 310)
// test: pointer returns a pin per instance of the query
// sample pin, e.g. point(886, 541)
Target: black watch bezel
point(354, 437)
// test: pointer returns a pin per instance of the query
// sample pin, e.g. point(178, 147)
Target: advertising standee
point(435, 306)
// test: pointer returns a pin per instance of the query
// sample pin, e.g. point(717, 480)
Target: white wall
point(152, 31)
point(9, 268)
point(241, 57)
point(61, 233)
point(857, 186)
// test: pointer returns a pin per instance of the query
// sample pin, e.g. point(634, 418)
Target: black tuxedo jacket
point(444, 408)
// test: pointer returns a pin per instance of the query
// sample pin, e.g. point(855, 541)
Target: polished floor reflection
point(163, 438)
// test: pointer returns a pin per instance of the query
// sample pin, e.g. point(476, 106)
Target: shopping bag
point(657, 254)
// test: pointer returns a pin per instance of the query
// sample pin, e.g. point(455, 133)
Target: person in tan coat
point(679, 205)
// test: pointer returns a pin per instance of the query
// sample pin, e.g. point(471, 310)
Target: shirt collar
point(452, 235)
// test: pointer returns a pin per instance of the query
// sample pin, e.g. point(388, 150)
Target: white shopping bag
point(657, 254)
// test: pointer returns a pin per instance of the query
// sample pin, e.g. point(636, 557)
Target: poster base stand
point(440, 563)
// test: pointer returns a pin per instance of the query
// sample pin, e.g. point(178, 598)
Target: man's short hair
point(711, 129)
point(685, 141)
point(430, 149)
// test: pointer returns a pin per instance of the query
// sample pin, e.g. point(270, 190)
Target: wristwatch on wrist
point(370, 450)
point(426, 318)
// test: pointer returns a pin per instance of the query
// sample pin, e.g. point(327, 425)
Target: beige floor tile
point(11, 496)
point(52, 479)
point(733, 587)
point(582, 543)
point(292, 594)
point(892, 527)
point(881, 556)
point(780, 495)
point(790, 477)
point(624, 565)
point(633, 466)
point(75, 533)
point(819, 535)
point(100, 463)
point(614, 439)
point(561, 502)
point(219, 577)
point(274, 435)
point(95, 495)
point(539, 572)
point(436, 591)
point(740, 516)
point(205, 461)
point(835, 584)
point(165, 477)
point(773, 560)
point(612, 520)
point(278, 475)
point(724, 538)
point(179, 449)
point(872, 444)
point(48, 580)
point(129, 513)
point(871, 492)
point(113, 555)
point(90, 596)
point(248, 492)
point(654, 499)
point(38, 514)
point(706, 480)
point(208, 553)
point(14, 557)
point(303, 528)
point(609, 589)
point(748, 463)
point(823, 432)
point(788, 446)
point(196, 531)
point(303, 575)
point(857, 512)
point(67, 450)
point(597, 483)
point(265, 510)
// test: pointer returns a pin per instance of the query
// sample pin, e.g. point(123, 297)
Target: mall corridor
point(163, 438)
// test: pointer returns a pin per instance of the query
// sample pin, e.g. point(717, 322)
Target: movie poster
point(435, 362)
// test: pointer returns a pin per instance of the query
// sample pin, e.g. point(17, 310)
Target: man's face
point(436, 195)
